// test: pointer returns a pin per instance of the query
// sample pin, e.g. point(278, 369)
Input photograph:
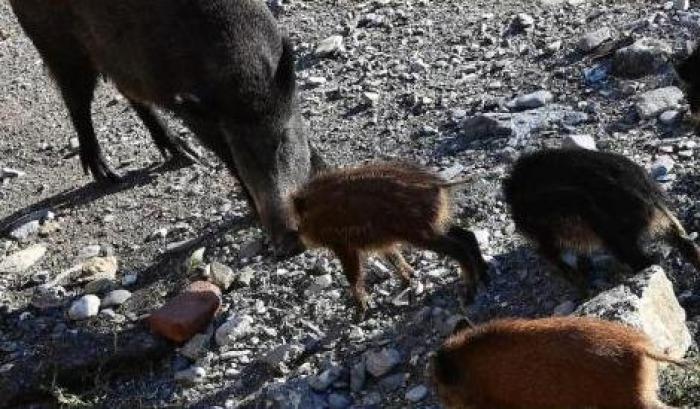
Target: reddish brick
point(188, 313)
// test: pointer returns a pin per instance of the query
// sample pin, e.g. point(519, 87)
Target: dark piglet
point(562, 362)
point(583, 200)
point(374, 208)
point(688, 71)
point(220, 65)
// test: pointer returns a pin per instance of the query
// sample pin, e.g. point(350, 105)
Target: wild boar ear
point(285, 77)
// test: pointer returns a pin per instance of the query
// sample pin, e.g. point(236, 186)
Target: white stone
point(316, 81)
point(116, 297)
point(370, 98)
point(530, 101)
point(24, 231)
point(22, 260)
point(192, 375)
point(221, 275)
point(235, 328)
point(652, 103)
point(582, 141)
point(647, 302)
point(331, 46)
point(590, 41)
point(417, 393)
point(85, 307)
point(670, 117)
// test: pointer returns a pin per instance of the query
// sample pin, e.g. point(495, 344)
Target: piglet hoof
point(362, 303)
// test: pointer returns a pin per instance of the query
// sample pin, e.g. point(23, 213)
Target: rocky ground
point(435, 82)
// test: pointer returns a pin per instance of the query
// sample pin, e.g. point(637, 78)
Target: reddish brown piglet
point(548, 363)
point(376, 207)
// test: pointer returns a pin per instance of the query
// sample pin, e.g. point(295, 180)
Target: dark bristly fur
point(220, 65)
point(582, 199)
point(376, 207)
point(548, 363)
point(689, 72)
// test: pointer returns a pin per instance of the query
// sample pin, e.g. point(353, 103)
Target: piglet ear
point(463, 323)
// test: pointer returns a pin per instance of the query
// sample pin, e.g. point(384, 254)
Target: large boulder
point(646, 56)
point(647, 302)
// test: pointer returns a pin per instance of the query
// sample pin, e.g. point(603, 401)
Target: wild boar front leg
point(170, 146)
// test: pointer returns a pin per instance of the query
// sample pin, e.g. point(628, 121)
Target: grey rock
point(393, 382)
point(418, 65)
point(529, 101)
point(221, 275)
point(319, 284)
point(251, 248)
point(338, 401)
point(417, 393)
point(280, 356)
point(647, 302)
point(519, 126)
point(329, 47)
point(245, 276)
point(49, 296)
point(235, 328)
point(582, 141)
point(115, 298)
point(358, 375)
point(646, 56)
point(323, 381)
point(662, 167)
point(681, 4)
point(292, 394)
point(85, 307)
point(196, 347)
point(90, 251)
point(191, 376)
point(592, 40)
point(380, 363)
point(22, 260)
point(652, 103)
point(129, 279)
point(565, 308)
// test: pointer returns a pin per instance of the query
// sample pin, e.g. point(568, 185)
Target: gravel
point(429, 82)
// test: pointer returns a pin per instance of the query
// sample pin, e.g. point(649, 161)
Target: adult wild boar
point(220, 65)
